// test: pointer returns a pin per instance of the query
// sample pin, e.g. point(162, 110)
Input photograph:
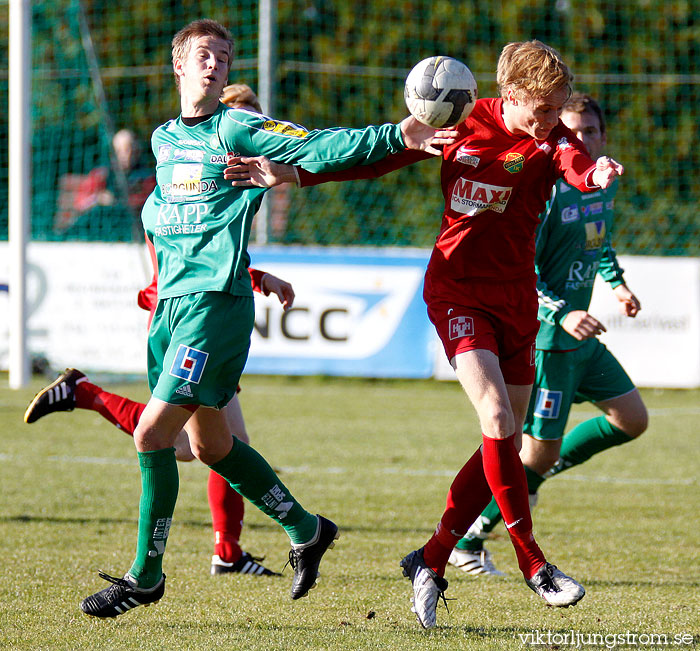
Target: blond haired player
point(480, 290)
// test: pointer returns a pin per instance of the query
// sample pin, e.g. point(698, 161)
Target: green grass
point(377, 457)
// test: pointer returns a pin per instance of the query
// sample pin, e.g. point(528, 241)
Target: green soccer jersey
point(199, 224)
point(572, 245)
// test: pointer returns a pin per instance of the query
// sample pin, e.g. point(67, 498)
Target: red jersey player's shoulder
point(562, 139)
point(479, 131)
point(485, 109)
point(485, 119)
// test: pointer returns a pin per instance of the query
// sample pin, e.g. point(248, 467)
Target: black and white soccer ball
point(440, 92)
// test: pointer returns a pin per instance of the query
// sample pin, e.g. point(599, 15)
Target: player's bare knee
point(184, 454)
point(497, 422)
point(636, 424)
point(548, 457)
point(183, 451)
point(539, 455)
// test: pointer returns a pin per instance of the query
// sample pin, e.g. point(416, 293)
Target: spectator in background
point(106, 202)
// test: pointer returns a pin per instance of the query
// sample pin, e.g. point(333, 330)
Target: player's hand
point(420, 136)
point(629, 303)
point(606, 169)
point(581, 325)
point(281, 288)
point(257, 171)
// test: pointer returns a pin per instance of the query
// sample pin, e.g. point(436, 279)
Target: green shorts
point(590, 373)
point(197, 347)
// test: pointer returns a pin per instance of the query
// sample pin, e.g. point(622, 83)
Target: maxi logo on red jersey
point(189, 364)
point(472, 197)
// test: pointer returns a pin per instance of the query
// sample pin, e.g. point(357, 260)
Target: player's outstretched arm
point(629, 303)
point(258, 171)
point(606, 169)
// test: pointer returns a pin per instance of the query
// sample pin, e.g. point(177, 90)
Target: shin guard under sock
point(506, 477)
point(466, 498)
point(159, 488)
point(251, 476)
point(585, 440)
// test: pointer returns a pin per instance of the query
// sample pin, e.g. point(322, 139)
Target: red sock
point(506, 476)
point(119, 411)
point(226, 507)
point(467, 497)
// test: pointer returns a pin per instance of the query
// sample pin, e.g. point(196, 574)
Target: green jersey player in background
point(573, 245)
point(199, 338)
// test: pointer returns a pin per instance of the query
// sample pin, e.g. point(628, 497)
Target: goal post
point(19, 190)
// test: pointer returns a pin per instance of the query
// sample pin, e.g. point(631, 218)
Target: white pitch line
point(383, 470)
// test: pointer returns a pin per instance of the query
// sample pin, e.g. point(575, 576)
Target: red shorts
point(482, 315)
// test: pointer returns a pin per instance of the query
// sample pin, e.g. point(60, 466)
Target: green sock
point(159, 487)
point(491, 516)
point(251, 476)
point(585, 440)
point(534, 481)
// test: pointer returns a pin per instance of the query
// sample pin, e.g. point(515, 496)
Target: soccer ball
point(440, 92)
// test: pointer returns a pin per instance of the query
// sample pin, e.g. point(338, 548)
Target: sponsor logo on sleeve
point(514, 162)
point(461, 326)
point(285, 128)
point(548, 403)
point(189, 364)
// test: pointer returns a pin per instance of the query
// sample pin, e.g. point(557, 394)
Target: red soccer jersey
point(495, 185)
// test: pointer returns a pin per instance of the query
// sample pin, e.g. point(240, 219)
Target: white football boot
point(428, 587)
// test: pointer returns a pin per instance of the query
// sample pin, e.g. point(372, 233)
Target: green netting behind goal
point(99, 67)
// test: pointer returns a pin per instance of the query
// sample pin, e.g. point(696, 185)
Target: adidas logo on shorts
point(185, 391)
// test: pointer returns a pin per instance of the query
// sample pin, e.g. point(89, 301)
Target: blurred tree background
point(101, 66)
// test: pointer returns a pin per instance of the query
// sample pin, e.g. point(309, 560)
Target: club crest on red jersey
point(514, 162)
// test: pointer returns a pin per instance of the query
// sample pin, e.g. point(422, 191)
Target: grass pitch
point(377, 457)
